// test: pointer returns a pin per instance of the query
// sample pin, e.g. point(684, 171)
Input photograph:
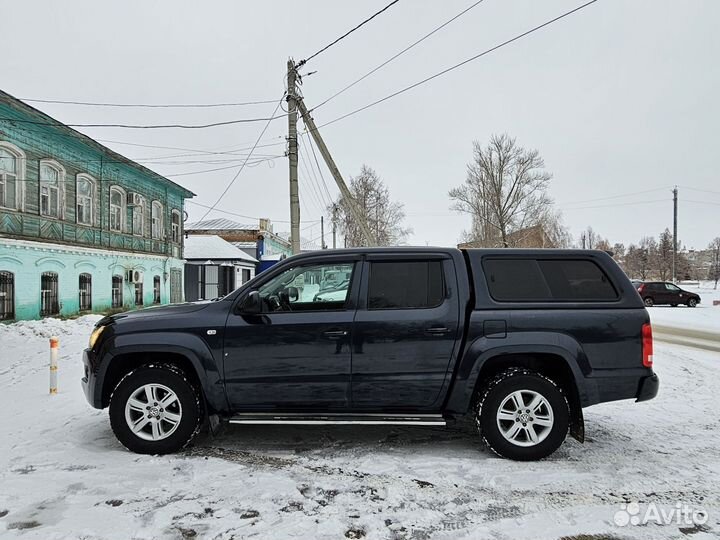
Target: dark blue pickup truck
point(519, 340)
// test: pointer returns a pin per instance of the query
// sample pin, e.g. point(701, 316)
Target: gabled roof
point(214, 248)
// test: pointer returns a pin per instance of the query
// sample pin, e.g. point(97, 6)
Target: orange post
point(54, 347)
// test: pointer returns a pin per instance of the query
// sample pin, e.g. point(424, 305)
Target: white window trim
point(176, 212)
point(123, 209)
point(19, 175)
point(61, 188)
point(161, 220)
point(93, 198)
point(143, 227)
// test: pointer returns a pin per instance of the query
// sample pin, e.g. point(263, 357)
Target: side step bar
point(340, 418)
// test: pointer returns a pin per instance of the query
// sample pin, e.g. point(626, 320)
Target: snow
point(63, 474)
point(705, 317)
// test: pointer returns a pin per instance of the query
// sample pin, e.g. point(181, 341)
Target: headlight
point(95, 336)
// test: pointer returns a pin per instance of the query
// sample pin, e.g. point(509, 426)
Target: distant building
point(82, 228)
point(529, 237)
point(269, 247)
point(214, 267)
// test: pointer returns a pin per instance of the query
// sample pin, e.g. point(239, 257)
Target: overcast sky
point(619, 98)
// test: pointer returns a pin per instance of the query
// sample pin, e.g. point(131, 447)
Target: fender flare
point(191, 347)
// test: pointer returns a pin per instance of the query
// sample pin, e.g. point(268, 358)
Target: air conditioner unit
point(134, 276)
point(134, 199)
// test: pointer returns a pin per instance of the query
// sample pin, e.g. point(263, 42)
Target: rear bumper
point(648, 388)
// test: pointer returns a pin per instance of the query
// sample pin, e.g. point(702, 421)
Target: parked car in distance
point(517, 340)
point(662, 292)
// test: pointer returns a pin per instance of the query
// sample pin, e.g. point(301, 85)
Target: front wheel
point(522, 415)
point(649, 302)
point(154, 409)
point(692, 302)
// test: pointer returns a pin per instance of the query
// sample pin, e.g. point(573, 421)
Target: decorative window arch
point(52, 189)
point(157, 220)
point(118, 209)
point(176, 226)
point(12, 176)
point(86, 196)
point(138, 215)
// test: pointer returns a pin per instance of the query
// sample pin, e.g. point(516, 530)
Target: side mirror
point(252, 304)
point(293, 294)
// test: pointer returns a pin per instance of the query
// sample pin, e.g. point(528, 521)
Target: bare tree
point(504, 192)
point(639, 259)
point(384, 216)
point(714, 248)
point(664, 259)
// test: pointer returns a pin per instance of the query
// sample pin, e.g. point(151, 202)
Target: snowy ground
point(705, 317)
point(63, 474)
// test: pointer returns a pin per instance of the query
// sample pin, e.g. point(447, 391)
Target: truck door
point(405, 332)
point(295, 355)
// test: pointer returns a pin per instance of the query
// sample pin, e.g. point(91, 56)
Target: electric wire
point(149, 105)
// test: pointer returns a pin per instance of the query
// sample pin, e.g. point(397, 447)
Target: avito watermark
point(680, 514)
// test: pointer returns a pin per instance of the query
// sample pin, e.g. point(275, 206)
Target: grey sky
point(621, 97)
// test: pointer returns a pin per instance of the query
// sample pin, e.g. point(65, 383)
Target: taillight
point(641, 288)
point(647, 345)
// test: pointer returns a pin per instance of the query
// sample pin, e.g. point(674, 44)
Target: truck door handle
point(437, 330)
point(335, 333)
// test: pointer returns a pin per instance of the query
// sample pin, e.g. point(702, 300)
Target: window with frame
point(549, 280)
point(85, 290)
point(156, 220)
point(405, 284)
point(138, 216)
point(7, 296)
point(10, 167)
point(52, 177)
point(246, 275)
point(117, 291)
point(85, 195)
point(176, 226)
point(117, 209)
point(139, 301)
point(318, 287)
point(156, 290)
point(49, 302)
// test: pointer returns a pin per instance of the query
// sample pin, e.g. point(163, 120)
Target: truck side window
point(406, 284)
point(318, 287)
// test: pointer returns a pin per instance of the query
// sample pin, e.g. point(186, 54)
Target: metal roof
point(220, 224)
point(214, 248)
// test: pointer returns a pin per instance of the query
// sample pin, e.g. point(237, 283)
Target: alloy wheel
point(153, 412)
point(525, 418)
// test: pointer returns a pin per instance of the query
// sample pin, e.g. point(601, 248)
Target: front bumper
point(648, 388)
point(89, 380)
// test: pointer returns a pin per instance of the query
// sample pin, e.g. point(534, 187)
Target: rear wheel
point(649, 302)
point(692, 302)
point(522, 415)
point(154, 409)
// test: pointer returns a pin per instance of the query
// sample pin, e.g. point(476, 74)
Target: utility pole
point(347, 196)
point(322, 233)
point(674, 258)
point(334, 224)
point(292, 100)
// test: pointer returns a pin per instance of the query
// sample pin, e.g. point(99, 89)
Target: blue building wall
point(32, 242)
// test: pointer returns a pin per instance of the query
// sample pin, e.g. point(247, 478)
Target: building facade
point(82, 228)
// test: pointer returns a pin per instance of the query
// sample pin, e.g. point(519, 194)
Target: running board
point(336, 419)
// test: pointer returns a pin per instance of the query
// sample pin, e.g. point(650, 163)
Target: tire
point(497, 398)
point(649, 302)
point(692, 302)
point(139, 398)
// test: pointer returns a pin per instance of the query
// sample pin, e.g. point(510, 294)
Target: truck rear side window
point(405, 284)
point(550, 280)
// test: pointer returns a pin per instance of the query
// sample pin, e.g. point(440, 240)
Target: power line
point(616, 205)
point(406, 49)
point(242, 167)
point(346, 34)
point(244, 164)
point(615, 196)
point(313, 178)
point(700, 202)
point(147, 126)
point(186, 149)
point(317, 163)
point(460, 64)
point(150, 106)
point(701, 190)
point(241, 215)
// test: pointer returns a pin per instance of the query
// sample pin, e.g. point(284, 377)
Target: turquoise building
point(82, 228)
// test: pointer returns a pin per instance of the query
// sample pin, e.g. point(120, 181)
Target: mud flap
point(215, 427)
point(577, 424)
